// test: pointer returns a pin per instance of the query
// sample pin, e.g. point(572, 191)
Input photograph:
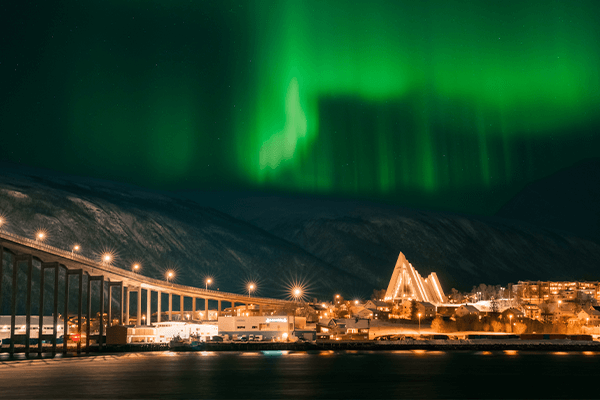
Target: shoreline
point(336, 345)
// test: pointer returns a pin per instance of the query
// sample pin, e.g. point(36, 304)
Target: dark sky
point(444, 104)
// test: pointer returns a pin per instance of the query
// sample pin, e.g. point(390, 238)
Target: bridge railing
point(120, 271)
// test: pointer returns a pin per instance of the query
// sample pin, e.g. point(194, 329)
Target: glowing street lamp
point(107, 258)
point(297, 293)
point(510, 322)
point(419, 314)
point(74, 248)
point(250, 289)
point(40, 236)
point(1, 222)
point(136, 267)
point(170, 275)
point(208, 282)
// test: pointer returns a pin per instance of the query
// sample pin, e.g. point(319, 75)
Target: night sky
point(450, 105)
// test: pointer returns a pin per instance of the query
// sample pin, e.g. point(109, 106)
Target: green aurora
point(442, 104)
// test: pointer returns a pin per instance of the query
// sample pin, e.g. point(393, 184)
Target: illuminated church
point(407, 284)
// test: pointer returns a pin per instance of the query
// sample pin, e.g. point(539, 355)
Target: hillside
point(364, 239)
point(162, 233)
point(332, 245)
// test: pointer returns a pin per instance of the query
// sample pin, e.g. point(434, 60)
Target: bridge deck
point(47, 253)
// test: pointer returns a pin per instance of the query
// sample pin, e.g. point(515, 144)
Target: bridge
point(116, 282)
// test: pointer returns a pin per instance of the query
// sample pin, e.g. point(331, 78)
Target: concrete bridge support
point(56, 267)
point(170, 306)
point(100, 279)
point(110, 298)
point(138, 320)
point(159, 311)
point(182, 316)
point(44, 267)
point(126, 294)
point(78, 272)
point(148, 307)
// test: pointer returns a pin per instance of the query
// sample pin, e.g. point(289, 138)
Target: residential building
point(466, 309)
point(590, 316)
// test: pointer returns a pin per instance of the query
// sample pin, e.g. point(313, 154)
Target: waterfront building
point(344, 329)
point(268, 327)
point(34, 326)
point(407, 284)
point(161, 332)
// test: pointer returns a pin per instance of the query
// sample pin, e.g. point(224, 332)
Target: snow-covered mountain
point(348, 247)
point(365, 239)
point(163, 233)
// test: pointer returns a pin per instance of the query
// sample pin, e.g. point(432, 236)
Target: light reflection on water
point(306, 374)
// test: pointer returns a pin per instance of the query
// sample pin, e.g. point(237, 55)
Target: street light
point(75, 248)
point(40, 235)
point(510, 322)
point(107, 258)
point(297, 293)
point(136, 267)
point(170, 275)
point(250, 289)
point(419, 314)
point(1, 222)
point(208, 282)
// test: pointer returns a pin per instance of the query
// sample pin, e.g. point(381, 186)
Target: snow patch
point(16, 194)
point(90, 207)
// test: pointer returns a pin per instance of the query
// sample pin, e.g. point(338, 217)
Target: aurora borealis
point(441, 104)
